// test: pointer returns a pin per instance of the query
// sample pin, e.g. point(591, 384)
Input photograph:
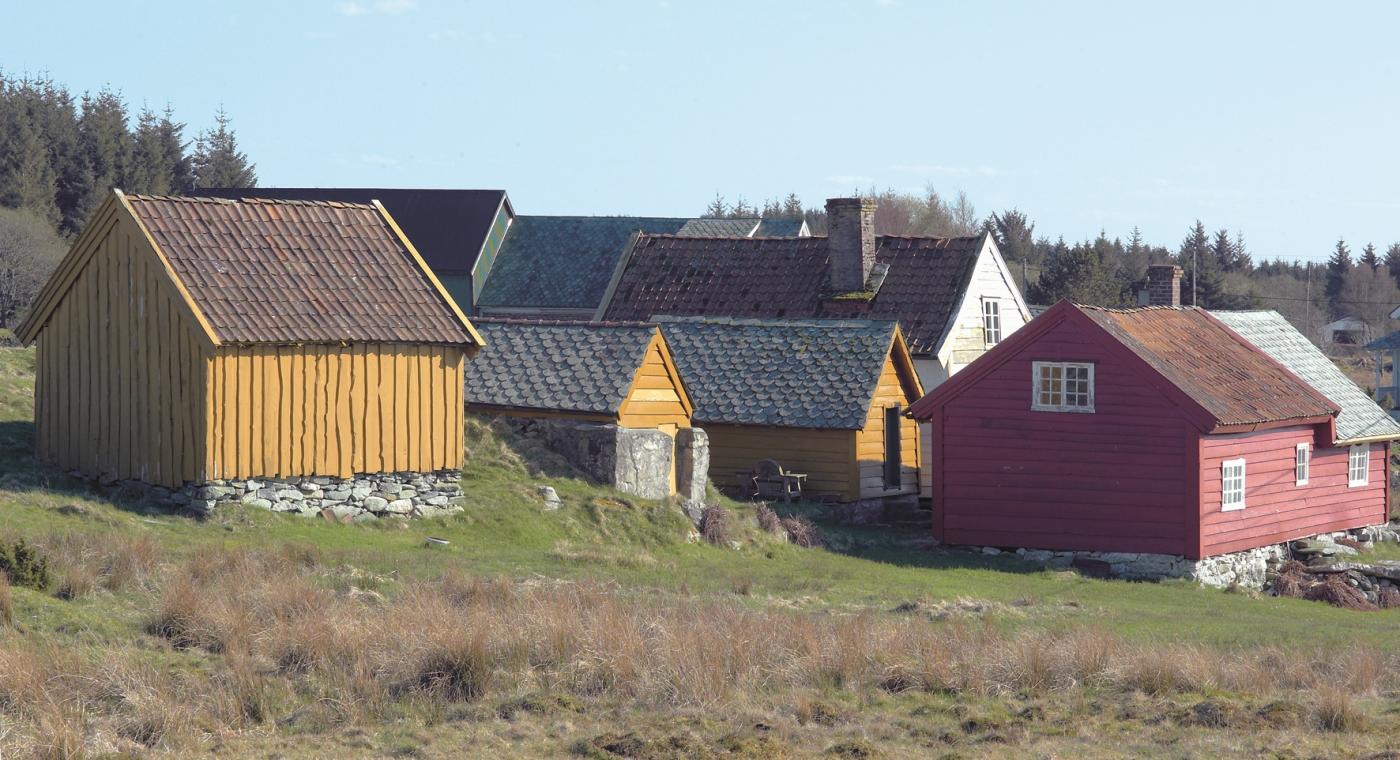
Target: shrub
point(802, 532)
point(1337, 592)
point(768, 520)
point(714, 525)
point(1389, 598)
point(24, 565)
point(7, 603)
point(1335, 711)
point(1292, 580)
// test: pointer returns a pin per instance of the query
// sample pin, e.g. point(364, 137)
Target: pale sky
point(1276, 118)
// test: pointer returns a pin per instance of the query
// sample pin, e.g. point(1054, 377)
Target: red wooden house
point(1156, 430)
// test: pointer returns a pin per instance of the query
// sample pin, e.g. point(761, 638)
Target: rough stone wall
point(358, 499)
point(850, 235)
point(693, 464)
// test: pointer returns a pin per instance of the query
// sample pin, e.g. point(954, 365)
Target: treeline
point(61, 154)
point(1219, 269)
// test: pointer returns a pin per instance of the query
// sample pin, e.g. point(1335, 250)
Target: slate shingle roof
point(783, 373)
point(1386, 342)
point(786, 278)
point(562, 262)
point(1237, 382)
point(719, 227)
point(779, 228)
point(1271, 333)
point(556, 366)
point(448, 227)
point(267, 271)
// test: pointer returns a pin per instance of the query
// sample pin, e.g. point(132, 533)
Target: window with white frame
point(1231, 485)
point(1302, 458)
point(991, 321)
point(1062, 387)
point(1358, 465)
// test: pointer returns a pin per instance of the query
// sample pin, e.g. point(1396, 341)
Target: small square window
point(1062, 387)
point(1358, 465)
point(1231, 485)
point(1302, 458)
point(991, 321)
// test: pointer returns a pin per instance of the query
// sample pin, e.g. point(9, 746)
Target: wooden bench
point(768, 480)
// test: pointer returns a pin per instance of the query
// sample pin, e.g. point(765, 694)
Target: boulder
point(376, 503)
point(399, 506)
point(551, 498)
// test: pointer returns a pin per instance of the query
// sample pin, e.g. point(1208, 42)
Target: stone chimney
point(850, 240)
point(1164, 285)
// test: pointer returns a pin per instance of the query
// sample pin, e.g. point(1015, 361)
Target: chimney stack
point(850, 240)
point(1164, 285)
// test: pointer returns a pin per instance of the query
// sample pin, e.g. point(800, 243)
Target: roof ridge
point(606, 216)
point(250, 200)
point(561, 322)
point(815, 322)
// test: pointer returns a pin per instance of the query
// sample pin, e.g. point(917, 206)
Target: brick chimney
point(850, 240)
point(1164, 285)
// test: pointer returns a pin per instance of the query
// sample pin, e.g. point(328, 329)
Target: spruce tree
point(26, 177)
point(717, 209)
point(106, 144)
point(218, 162)
point(1243, 261)
point(1015, 236)
point(1075, 273)
point(1392, 262)
point(151, 166)
point(1338, 267)
point(1223, 249)
point(1202, 285)
point(172, 135)
point(1369, 257)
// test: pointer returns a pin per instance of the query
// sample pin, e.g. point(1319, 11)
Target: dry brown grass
point(7, 603)
point(87, 562)
point(714, 525)
point(768, 520)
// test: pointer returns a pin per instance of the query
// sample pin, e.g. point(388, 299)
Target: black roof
point(448, 227)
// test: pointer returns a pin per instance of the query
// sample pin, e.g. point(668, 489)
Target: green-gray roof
point(1387, 342)
point(781, 373)
point(781, 228)
point(556, 366)
point(1271, 333)
point(563, 262)
point(719, 228)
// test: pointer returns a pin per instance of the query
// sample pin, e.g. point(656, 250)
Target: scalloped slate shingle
point(804, 374)
point(556, 366)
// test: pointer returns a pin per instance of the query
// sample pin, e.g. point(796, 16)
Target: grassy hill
point(605, 629)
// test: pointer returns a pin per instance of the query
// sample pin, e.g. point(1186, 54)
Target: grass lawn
point(645, 549)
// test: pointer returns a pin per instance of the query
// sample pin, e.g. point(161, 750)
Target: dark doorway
point(892, 452)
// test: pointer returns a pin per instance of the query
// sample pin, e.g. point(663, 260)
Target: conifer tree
point(105, 142)
point(1203, 284)
point(717, 209)
point(1338, 267)
point(1392, 262)
point(1369, 257)
point(26, 177)
point(217, 161)
point(172, 136)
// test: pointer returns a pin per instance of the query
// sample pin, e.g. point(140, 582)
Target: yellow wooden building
point(825, 398)
point(193, 339)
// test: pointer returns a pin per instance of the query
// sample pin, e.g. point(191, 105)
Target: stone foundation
point(358, 499)
point(1251, 569)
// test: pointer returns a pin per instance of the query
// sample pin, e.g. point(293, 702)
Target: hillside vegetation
point(609, 629)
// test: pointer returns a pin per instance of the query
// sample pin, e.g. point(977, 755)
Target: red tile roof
point(271, 271)
point(1227, 375)
point(776, 278)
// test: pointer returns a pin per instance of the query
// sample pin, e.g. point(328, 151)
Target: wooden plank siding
point(288, 411)
point(824, 455)
point(118, 361)
point(1276, 508)
point(655, 398)
point(870, 441)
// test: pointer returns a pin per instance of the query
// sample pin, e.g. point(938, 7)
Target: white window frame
point(1302, 464)
point(991, 322)
point(1225, 490)
point(1364, 450)
point(1060, 406)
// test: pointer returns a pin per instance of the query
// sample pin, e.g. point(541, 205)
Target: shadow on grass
point(905, 545)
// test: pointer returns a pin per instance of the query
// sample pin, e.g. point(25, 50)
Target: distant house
point(188, 340)
point(825, 398)
point(1347, 331)
point(457, 232)
point(1160, 430)
point(559, 267)
point(606, 376)
point(954, 298)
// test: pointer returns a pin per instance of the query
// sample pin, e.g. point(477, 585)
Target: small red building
point(1155, 430)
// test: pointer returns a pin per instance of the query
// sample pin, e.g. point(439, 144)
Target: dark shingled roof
point(779, 228)
point(265, 271)
point(562, 261)
point(448, 227)
point(719, 227)
point(1234, 380)
point(783, 373)
point(1387, 342)
point(786, 278)
point(556, 366)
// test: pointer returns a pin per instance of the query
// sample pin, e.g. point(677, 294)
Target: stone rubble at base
point(358, 499)
point(1250, 569)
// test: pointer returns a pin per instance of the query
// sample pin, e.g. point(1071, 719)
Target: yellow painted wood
point(824, 455)
point(891, 390)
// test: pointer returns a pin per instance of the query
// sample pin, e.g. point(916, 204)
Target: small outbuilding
point(823, 398)
point(1153, 431)
point(187, 341)
point(605, 396)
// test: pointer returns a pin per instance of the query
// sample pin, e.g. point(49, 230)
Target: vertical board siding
point(1276, 508)
point(825, 456)
point(1113, 480)
point(286, 411)
point(870, 440)
point(110, 356)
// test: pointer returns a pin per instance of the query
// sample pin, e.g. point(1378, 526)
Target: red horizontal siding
point(1114, 480)
point(1276, 509)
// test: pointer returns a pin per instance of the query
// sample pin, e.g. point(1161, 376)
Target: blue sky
point(1275, 118)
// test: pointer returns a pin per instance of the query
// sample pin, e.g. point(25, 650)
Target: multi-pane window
point(1231, 484)
point(1358, 465)
point(991, 321)
point(1301, 460)
point(1062, 386)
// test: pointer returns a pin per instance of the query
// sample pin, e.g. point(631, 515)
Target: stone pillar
point(692, 463)
point(645, 462)
point(1164, 285)
point(850, 241)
